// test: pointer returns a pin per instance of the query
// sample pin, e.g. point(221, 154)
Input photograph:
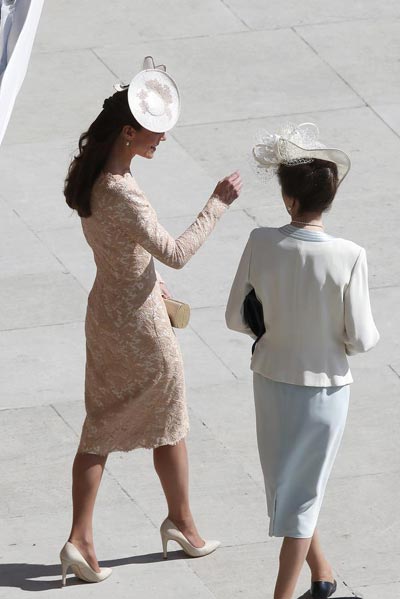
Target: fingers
point(233, 177)
point(229, 188)
point(234, 180)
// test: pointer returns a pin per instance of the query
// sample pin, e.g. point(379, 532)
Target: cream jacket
point(315, 297)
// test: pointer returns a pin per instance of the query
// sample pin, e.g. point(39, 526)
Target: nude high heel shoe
point(170, 532)
point(72, 558)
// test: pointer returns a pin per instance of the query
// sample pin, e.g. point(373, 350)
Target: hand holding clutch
point(178, 312)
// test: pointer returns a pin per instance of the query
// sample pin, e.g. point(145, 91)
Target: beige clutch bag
point(178, 312)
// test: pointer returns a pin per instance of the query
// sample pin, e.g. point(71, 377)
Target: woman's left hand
point(164, 290)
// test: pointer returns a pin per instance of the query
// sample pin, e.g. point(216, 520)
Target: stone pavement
point(241, 65)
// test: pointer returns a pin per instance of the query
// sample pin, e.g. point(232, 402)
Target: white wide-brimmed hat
point(295, 144)
point(153, 97)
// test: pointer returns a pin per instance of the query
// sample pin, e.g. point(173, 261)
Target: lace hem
point(167, 440)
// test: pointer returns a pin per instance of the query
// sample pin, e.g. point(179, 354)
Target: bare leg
point(319, 566)
point(86, 476)
point(171, 464)
point(291, 560)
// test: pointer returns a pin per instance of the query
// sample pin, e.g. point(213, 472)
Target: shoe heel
point(64, 570)
point(165, 546)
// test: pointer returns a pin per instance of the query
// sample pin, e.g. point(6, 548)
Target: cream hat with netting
point(292, 145)
point(153, 97)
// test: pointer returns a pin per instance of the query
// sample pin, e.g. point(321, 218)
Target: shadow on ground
point(308, 596)
point(25, 576)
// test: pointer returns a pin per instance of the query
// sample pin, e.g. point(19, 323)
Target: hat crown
point(291, 145)
point(154, 98)
point(155, 104)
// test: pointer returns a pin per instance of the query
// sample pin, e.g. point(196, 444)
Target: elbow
point(178, 260)
point(230, 320)
point(362, 344)
point(236, 324)
point(177, 264)
point(370, 342)
point(230, 324)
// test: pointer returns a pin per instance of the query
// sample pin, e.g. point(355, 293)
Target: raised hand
point(229, 188)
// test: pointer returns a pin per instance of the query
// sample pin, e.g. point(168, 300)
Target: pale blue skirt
point(299, 430)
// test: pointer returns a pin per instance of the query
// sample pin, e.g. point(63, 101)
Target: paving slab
point(72, 250)
point(40, 428)
point(124, 22)
point(289, 58)
point(390, 113)
point(21, 252)
point(49, 298)
point(33, 189)
point(371, 442)
point(70, 101)
point(203, 360)
point(257, 16)
point(374, 48)
point(374, 591)
point(349, 544)
point(245, 571)
point(233, 349)
point(42, 365)
point(228, 412)
point(171, 194)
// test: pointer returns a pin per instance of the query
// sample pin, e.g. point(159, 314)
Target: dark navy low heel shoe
point(321, 589)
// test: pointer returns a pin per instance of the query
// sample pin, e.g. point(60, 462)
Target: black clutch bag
point(254, 315)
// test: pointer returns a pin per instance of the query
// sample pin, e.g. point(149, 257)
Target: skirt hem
point(292, 535)
point(143, 445)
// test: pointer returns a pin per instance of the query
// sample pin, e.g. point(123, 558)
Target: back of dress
point(314, 292)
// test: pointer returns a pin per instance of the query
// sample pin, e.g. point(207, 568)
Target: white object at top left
point(18, 25)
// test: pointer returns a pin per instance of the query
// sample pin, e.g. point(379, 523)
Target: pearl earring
point(128, 143)
point(289, 209)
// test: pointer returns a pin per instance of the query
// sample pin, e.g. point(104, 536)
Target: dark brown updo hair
point(312, 184)
point(94, 147)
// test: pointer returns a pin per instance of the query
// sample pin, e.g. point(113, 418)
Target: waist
point(316, 365)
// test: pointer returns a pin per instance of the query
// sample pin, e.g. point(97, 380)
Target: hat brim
point(160, 83)
point(340, 158)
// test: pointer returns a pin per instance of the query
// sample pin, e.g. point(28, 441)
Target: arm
point(132, 214)
point(361, 334)
point(240, 288)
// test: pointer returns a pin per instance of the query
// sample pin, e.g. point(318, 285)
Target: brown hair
point(312, 184)
point(94, 147)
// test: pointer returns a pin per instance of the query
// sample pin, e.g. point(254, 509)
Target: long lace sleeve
point(131, 213)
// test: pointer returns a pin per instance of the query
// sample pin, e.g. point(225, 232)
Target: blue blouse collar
point(304, 234)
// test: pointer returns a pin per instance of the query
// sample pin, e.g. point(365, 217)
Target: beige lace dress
point(134, 383)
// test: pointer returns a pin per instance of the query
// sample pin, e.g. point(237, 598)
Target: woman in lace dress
point(134, 386)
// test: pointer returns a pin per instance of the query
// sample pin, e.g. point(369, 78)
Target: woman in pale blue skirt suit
point(313, 290)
